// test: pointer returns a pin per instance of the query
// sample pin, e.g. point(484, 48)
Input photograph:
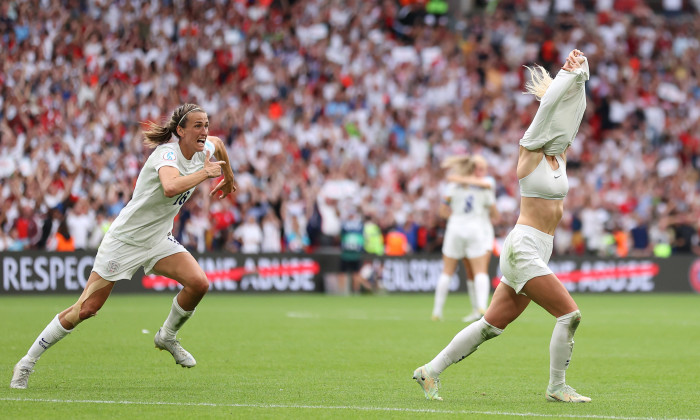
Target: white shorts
point(464, 241)
point(525, 255)
point(117, 260)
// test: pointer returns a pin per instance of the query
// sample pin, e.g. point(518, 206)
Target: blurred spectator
point(14, 242)
point(661, 236)
point(49, 228)
point(272, 234)
point(195, 231)
point(296, 238)
point(411, 230)
point(685, 236)
point(373, 238)
point(26, 229)
point(102, 225)
point(4, 241)
point(351, 250)
point(81, 222)
point(640, 240)
point(329, 104)
point(64, 241)
point(622, 240)
point(249, 235)
point(396, 243)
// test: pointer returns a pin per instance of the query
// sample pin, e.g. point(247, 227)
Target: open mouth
point(201, 141)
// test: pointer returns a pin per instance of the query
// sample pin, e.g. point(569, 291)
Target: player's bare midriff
point(544, 215)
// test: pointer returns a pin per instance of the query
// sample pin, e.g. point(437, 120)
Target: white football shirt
point(469, 204)
point(148, 217)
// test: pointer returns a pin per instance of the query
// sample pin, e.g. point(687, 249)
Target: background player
point(469, 206)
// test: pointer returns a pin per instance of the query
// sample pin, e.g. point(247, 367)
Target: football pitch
point(315, 356)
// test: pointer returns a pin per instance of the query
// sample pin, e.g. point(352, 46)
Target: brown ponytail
point(156, 134)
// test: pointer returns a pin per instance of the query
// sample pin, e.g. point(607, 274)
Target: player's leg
point(449, 265)
point(548, 292)
point(345, 278)
point(359, 282)
point(364, 275)
point(469, 274)
point(94, 295)
point(480, 286)
point(505, 307)
point(183, 268)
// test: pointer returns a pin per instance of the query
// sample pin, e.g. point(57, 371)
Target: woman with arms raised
point(527, 249)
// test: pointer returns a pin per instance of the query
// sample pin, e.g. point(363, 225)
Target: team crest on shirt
point(112, 266)
point(169, 155)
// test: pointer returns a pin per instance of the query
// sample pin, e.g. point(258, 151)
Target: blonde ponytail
point(539, 81)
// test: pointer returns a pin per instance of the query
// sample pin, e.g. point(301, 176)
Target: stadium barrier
point(36, 272)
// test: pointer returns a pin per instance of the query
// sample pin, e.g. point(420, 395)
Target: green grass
point(316, 356)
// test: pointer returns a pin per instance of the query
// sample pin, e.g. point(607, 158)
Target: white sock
point(482, 291)
point(465, 343)
point(472, 294)
point(561, 347)
point(441, 290)
point(176, 319)
point(50, 336)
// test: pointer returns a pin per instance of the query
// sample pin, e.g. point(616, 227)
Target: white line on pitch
point(326, 407)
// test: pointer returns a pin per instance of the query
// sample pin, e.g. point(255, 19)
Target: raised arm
point(469, 180)
point(174, 183)
point(228, 184)
point(558, 95)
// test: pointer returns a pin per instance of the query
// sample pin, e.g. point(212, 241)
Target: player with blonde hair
point(526, 251)
point(469, 207)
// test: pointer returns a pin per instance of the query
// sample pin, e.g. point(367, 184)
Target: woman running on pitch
point(527, 249)
point(141, 234)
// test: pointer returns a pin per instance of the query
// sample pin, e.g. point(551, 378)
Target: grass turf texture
point(315, 356)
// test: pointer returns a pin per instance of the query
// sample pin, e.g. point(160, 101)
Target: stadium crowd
point(337, 109)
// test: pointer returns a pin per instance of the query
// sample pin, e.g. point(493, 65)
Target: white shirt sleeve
point(556, 101)
point(165, 155)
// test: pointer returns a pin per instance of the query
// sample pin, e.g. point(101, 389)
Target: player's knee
point(200, 285)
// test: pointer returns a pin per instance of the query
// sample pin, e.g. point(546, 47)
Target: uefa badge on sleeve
point(169, 155)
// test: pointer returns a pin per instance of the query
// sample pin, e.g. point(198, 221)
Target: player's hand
point(212, 169)
point(225, 186)
point(574, 60)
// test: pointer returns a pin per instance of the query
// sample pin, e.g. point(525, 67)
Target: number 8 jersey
point(469, 204)
point(469, 232)
point(149, 215)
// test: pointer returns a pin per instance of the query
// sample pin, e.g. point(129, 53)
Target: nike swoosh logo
point(555, 177)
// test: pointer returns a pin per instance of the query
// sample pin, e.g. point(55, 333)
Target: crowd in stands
point(338, 110)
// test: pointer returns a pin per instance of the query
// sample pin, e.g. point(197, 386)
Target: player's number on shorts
point(180, 199)
point(469, 204)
